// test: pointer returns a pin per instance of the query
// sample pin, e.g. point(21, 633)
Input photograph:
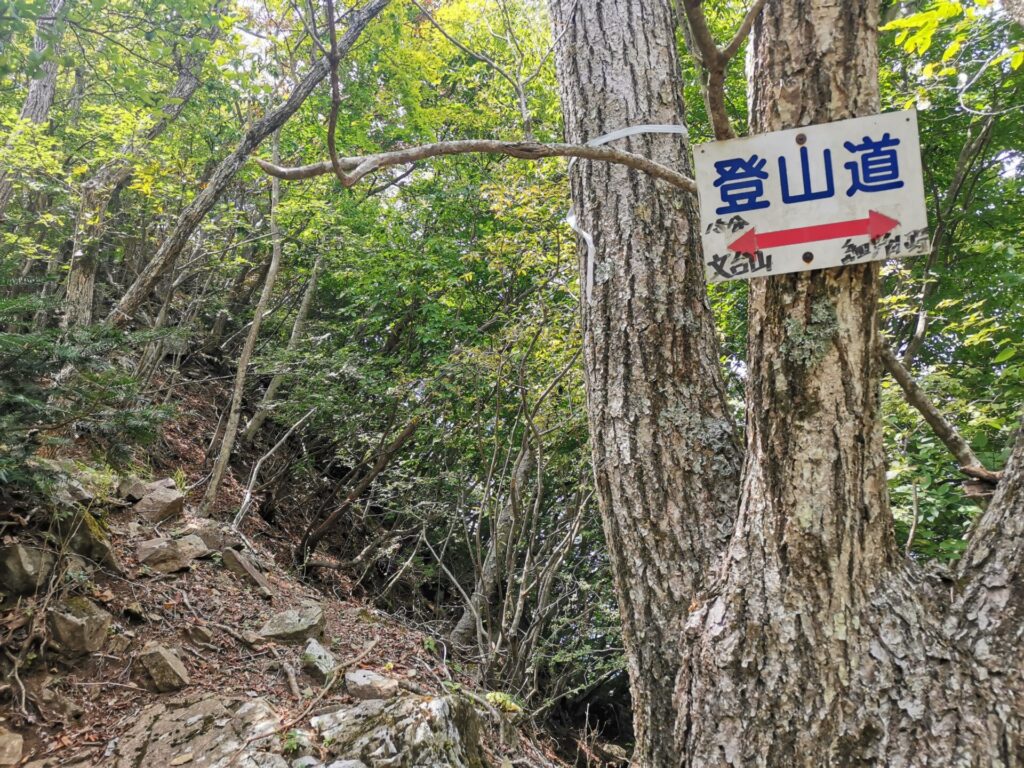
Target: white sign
point(812, 198)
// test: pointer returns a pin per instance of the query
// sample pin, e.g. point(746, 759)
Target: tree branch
point(743, 30)
point(946, 432)
point(359, 167)
point(713, 61)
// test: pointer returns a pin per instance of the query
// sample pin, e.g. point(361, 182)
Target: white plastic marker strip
point(621, 133)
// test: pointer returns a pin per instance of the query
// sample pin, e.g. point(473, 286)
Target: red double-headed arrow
point(874, 226)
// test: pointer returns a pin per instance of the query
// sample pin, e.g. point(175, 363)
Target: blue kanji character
point(741, 183)
point(878, 169)
point(805, 174)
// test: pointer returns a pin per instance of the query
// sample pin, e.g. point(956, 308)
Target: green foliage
point(504, 702)
point(55, 386)
point(955, 61)
point(448, 297)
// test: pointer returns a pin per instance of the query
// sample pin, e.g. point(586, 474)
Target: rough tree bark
point(39, 99)
point(1015, 8)
point(665, 458)
point(196, 211)
point(817, 643)
point(98, 191)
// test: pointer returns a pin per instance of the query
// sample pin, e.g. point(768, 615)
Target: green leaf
point(952, 48)
point(1005, 355)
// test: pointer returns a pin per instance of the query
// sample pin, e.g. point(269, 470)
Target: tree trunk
point(227, 444)
point(465, 630)
point(193, 215)
point(98, 191)
point(665, 457)
point(41, 90)
point(817, 643)
point(1015, 9)
point(293, 341)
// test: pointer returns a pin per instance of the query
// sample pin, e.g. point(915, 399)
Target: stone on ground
point(198, 633)
point(367, 684)
point(164, 669)
point(170, 555)
point(77, 568)
point(240, 565)
point(208, 729)
point(160, 503)
point(215, 535)
point(10, 747)
point(83, 535)
point(24, 569)
point(410, 731)
point(318, 661)
point(79, 626)
point(135, 489)
point(193, 547)
point(295, 625)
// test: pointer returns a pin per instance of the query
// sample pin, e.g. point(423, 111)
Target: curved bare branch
point(359, 167)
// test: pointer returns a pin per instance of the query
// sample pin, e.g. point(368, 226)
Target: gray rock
point(79, 626)
point(216, 535)
point(318, 661)
point(10, 747)
point(199, 634)
point(24, 569)
point(53, 705)
point(193, 547)
point(205, 728)
point(78, 569)
point(135, 489)
point(160, 503)
point(239, 565)
point(299, 744)
point(307, 761)
point(409, 731)
point(163, 555)
point(131, 488)
point(367, 684)
point(165, 670)
point(347, 764)
point(83, 535)
point(296, 624)
point(170, 555)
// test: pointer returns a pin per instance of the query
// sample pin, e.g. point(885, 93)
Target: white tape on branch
point(621, 133)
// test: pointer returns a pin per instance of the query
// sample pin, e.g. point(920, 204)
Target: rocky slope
point(139, 635)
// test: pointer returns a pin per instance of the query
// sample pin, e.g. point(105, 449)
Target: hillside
point(154, 637)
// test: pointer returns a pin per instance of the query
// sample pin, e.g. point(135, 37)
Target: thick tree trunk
point(98, 191)
point(36, 108)
point(193, 215)
point(818, 644)
point(665, 456)
point(1015, 8)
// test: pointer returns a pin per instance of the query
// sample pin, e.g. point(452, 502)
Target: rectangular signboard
point(811, 198)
